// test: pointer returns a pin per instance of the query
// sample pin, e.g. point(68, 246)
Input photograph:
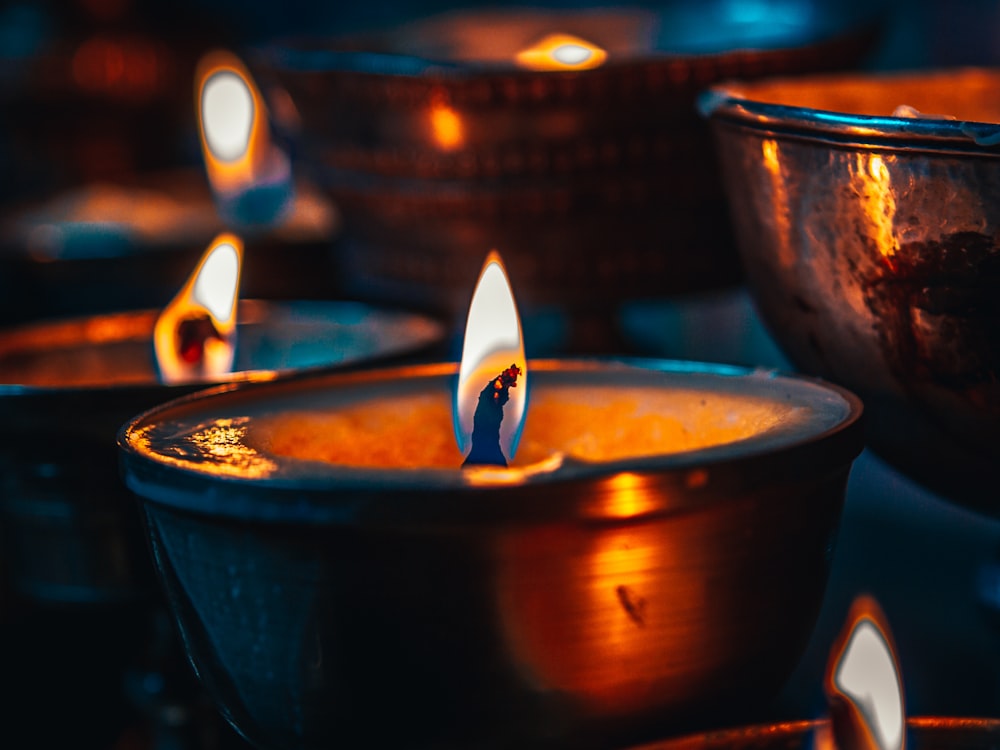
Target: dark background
point(927, 561)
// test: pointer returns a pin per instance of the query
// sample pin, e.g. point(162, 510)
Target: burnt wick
point(192, 335)
point(485, 449)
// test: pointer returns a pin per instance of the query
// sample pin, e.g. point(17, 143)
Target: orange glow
point(127, 67)
point(194, 337)
point(447, 126)
point(779, 200)
point(412, 431)
point(628, 495)
point(561, 52)
point(863, 684)
point(873, 183)
point(232, 122)
point(493, 341)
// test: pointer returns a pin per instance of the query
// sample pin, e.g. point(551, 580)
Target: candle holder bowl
point(922, 733)
point(438, 147)
point(870, 243)
point(590, 608)
point(71, 532)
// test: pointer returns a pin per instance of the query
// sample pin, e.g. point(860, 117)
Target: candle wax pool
point(413, 429)
point(593, 424)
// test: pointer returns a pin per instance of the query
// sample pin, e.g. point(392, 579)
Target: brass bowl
point(922, 733)
point(589, 607)
point(596, 185)
point(870, 243)
point(71, 532)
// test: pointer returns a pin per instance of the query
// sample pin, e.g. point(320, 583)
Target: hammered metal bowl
point(871, 242)
point(597, 185)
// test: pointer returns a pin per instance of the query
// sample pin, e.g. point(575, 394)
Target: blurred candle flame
point(250, 176)
point(561, 52)
point(493, 342)
point(863, 684)
point(447, 127)
point(195, 335)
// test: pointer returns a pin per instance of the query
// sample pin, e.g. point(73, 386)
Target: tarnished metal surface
point(588, 611)
point(871, 245)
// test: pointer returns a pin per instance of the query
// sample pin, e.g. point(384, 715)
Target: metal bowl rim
point(253, 308)
point(369, 495)
point(725, 102)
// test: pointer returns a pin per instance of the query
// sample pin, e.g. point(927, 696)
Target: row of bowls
point(907, 323)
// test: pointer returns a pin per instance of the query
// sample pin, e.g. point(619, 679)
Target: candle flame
point(863, 684)
point(493, 342)
point(195, 335)
point(561, 52)
point(250, 176)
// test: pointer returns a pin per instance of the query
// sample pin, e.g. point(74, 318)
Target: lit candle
point(866, 709)
point(250, 176)
point(604, 578)
point(67, 385)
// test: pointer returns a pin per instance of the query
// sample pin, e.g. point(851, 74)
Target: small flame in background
point(863, 684)
point(493, 341)
point(561, 52)
point(249, 174)
point(195, 335)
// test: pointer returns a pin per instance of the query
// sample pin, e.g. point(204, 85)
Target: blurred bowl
point(132, 243)
point(870, 243)
point(589, 605)
point(71, 532)
point(596, 184)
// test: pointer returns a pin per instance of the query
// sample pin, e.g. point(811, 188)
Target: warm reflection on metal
point(863, 684)
point(561, 52)
point(876, 263)
point(493, 341)
point(873, 184)
point(447, 126)
point(224, 440)
point(195, 335)
point(779, 195)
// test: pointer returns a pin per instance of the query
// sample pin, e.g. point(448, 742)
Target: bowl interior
point(964, 95)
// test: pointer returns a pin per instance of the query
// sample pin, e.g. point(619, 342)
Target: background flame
point(205, 305)
point(250, 176)
point(864, 685)
point(561, 52)
point(493, 341)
